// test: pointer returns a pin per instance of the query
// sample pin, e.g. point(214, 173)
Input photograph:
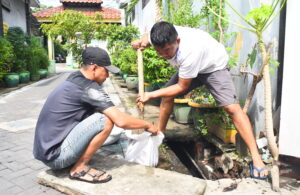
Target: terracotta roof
point(81, 1)
point(107, 13)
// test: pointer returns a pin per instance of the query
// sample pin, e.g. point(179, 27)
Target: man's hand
point(143, 100)
point(152, 129)
point(141, 44)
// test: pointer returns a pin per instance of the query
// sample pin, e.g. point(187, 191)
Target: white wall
point(16, 16)
point(289, 142)
point(144, 18)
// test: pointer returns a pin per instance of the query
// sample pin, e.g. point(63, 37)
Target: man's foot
point(90, 175)
point(258, 171)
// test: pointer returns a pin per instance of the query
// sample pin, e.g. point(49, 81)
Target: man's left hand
point(147, 97)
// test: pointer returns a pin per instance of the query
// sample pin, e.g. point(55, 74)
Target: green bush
point(37, 56)
point(156, 69)
point(6, 56)
point(16, 37)
point(128, 61)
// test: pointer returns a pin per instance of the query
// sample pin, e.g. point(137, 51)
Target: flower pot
point(11, 79)
point(24, 77)
point(223, 131)
point(182, 111)
point(132, 82)
point(43, 73)
point(198, 110)
point(34, 77)
point(125, 76)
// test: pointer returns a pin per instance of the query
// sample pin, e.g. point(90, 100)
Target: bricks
point(14, 165)
point(11, 191)
point(5, 184)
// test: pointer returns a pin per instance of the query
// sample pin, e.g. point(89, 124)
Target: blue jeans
point(77, 141)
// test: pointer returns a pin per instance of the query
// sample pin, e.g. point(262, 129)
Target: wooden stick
point(141, 78)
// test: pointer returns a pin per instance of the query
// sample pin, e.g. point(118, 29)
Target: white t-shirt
point(198, 52)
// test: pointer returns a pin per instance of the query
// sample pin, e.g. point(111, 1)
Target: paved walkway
point(19, 110)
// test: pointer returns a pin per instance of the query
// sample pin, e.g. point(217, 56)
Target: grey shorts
point(219, 83)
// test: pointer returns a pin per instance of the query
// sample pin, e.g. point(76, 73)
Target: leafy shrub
point(157, 69)
point(16, 37)
point(38, 56)
point(202, 96)
point(126, 60)
point(6, 56)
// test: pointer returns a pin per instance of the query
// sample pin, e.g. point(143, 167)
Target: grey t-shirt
point(70, 103)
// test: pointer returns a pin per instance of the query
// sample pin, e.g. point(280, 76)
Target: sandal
point(95, 177)
point(252, 168)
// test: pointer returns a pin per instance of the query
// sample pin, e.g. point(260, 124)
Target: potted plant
point(216, 121)
point(182, 111)
point(17, 38)
point(201, 101)
point(6, 60)
point(128, 65)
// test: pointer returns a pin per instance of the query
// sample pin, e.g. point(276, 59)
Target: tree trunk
point(250, 94)
point(268, 112)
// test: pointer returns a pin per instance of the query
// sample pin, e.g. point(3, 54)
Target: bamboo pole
point(141, 79)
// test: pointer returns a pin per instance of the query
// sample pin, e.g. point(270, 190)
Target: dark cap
point(96, 55)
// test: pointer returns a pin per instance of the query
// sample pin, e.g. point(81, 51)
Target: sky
point(106, 3)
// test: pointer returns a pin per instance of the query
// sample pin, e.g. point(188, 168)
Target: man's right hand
point(152, 129)
point(141, 44)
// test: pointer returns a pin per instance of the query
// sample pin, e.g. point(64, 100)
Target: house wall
point(290, 110)
point(16, 16)
point(144, 19)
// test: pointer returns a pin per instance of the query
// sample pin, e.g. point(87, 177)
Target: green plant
point(77, 28)
point(6, 56)
point(16, 37)
point(182, 14)
point(127, 61)
point(214, 117)
point(258, 20)
point(157, 69)
point(119, 37)
point(38, 57)
point(202, 96)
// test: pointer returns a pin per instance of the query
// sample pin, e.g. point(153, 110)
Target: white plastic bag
point(143, 148)
point(114, 136)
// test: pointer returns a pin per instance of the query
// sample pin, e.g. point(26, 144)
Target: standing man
point(200, 60)
point(77, 118)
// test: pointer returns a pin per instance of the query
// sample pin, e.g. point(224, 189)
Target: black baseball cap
point(96, 55)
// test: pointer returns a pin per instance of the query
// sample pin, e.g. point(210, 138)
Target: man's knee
point(168, 99)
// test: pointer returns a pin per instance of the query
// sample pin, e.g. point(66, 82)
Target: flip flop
point(252, 168)
point(95, 177)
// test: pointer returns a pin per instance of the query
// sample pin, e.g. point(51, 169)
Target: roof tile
point(81, 1)
point(107, 13)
